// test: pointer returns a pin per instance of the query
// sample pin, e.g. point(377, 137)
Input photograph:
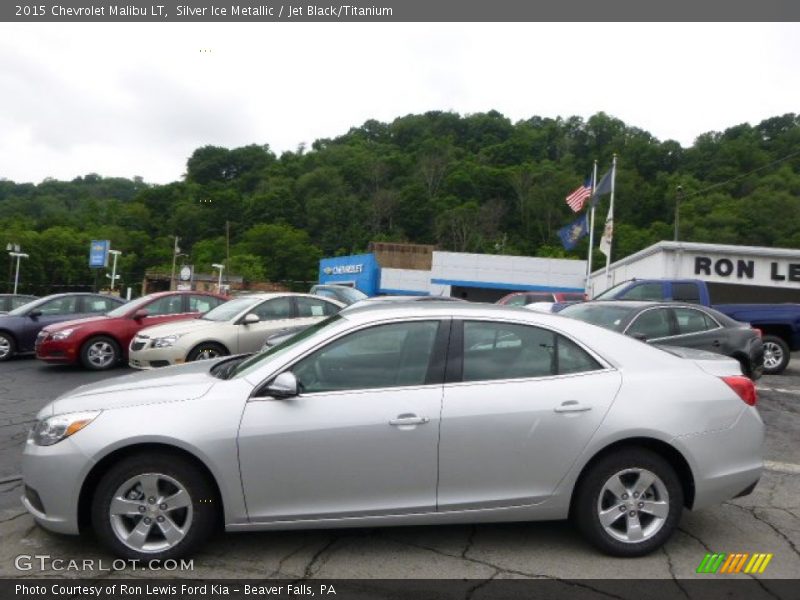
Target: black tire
point(8, 346)
point(100, 353)
point(776, 354)
point(202, 516)
point(211, 348)
point(588, 502)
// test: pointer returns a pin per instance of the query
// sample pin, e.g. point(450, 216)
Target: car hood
point(179, 327)
point(168, 384)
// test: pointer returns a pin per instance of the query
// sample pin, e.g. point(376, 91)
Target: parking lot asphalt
point(766, 521)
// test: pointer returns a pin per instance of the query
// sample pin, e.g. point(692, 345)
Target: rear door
point(520, 403)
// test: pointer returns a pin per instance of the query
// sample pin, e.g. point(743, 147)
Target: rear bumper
point(726, 463)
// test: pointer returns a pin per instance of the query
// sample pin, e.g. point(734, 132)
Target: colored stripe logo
point(737, 562)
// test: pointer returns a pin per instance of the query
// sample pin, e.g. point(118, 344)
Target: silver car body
point(503, 450)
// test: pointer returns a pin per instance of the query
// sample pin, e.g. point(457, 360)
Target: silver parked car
point(401, 414)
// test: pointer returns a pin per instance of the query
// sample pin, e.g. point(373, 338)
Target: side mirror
point(35, 313)
point(140, 314)
point(639, 336)
point(283, 386)
point(251, 318)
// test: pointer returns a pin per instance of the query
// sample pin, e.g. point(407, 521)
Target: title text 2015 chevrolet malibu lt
point(401, 414)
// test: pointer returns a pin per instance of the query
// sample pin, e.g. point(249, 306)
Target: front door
point(361, 437)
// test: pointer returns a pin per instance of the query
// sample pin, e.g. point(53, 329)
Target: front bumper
point(142, 356)
point(53, 476)
point(55, 351)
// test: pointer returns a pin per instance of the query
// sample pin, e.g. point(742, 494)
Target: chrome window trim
point(679, 335)
point(646, 310)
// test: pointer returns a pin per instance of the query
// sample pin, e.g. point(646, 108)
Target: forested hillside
point(476, 183)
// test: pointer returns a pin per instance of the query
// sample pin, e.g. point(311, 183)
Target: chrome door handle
point(408, 420)
point(571, 406)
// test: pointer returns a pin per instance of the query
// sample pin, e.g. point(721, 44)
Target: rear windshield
point(610, 317)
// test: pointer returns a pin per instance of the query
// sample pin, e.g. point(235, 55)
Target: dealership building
point(735, 274)
point(414, 269)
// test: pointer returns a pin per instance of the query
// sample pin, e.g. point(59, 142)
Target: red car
point(99, 343)
point(525, 298)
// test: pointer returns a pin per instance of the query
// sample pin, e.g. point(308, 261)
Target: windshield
point(231, 308)
point(124, 309)
point(609, 293)
point(254, 361)
point(21, 310)
point(610, 317)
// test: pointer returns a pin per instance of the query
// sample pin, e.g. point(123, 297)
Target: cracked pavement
point(766, 521)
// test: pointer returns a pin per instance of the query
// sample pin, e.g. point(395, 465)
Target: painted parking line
point(782, 467)
point(779, 390)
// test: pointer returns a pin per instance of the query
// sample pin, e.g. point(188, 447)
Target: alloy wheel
point(633, 505)
point(773, 355)
point(100, 354)
point(5, 347)
point(151, 513)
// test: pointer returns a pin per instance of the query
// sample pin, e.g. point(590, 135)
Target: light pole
point(220, 268)
point(114, 275)
point(175, 253)
point(11, 248)
point(18, 256)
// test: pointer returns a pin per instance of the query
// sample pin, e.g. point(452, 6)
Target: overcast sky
point(138, 99)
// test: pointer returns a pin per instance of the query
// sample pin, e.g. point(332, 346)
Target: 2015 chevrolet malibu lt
point(401, 414)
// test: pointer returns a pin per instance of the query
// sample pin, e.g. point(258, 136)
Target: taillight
point(744, 388)
point(757, 330)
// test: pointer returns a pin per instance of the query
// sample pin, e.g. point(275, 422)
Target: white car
point(236, 327)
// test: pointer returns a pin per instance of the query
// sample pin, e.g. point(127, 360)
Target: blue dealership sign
point(98, 253)
point(360, 271)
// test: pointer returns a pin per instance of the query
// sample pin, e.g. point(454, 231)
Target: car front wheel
point(205, 351)
point(629, 502)
point(100, 353)
point(149, 507)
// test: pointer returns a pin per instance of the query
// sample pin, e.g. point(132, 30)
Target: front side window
point(166, 305)
point(384, 356)
point(66, 305)
point(651, 324)
point(272, 310)
point(686, 292)
point(693, 321)
point(509, 351)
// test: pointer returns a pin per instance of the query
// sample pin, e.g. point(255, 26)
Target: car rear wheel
point(776, 354)
point(206, 350)
point(629, 502)
point(151, 507)
point(7, 346)
point(100, 353)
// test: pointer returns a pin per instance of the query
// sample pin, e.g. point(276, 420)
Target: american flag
point(577, 199)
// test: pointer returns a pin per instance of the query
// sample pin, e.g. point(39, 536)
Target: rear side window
point(314, 307)
point(509, 351)
point(693, 321)
point(686, 292)
point(644, 291)
point(98, 305)
point(203, 304)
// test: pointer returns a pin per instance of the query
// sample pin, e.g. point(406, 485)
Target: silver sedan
point(401, 414)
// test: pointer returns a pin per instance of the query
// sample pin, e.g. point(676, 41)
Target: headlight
point(164, 342)
point(63, 334)
point(53, 429)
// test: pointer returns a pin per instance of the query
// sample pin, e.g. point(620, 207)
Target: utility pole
point(678, 198)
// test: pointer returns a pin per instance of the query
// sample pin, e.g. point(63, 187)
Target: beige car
point(236, 327)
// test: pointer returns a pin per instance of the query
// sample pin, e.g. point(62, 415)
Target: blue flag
point(603, 186)
point(572, 233)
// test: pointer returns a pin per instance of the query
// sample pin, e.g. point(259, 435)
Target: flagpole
point(591, 230)
point(611, 212)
